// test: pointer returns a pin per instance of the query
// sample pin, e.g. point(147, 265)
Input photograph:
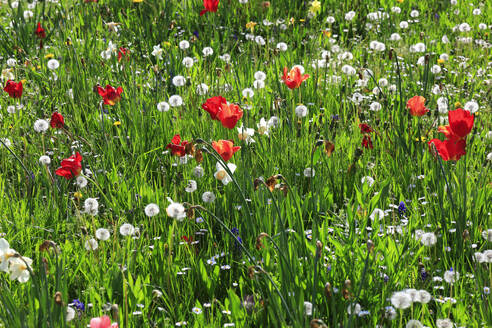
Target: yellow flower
point(49, 56)
point(292, 21)
point(327, 33)
point(24, 81)
point(77, 194)
point(116, 123)
point(440, 61)
point(400, 1)
point(457, 104)
point(302, 20)
point(422, 139)
point(315, 6)
point(136, 1)
point(167, 44)
point(251, 26)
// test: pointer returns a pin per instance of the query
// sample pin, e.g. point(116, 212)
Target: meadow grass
point(314, 229)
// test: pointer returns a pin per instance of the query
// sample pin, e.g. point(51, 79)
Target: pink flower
point(103, 322)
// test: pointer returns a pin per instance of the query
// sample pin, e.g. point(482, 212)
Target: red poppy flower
point(416, 105)
point(210, 5)
point(213, 106)
point(294, 78)
point(367, 142)
point(364, 128)
point(123, 52)
point(110, 95)
point(225, 148)
point(449, 150)
point(57, 121)
point(40, 32)
point(14, 89)
point(70, 167)
point(177, 147)
point(229, 115)
point(460, 124)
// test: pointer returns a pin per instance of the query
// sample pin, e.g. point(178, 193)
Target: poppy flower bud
point(319, 248)
point(58, 298)
point(370, 246)
point(327, 290)
point(115, 311)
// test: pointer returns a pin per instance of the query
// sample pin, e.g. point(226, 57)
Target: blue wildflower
point(402, 209)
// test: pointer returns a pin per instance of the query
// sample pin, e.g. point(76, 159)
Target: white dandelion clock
point(183, 45)
point(309, 172)
point(451, 276)
point(175, 101)
point(248, 93)
point(208, 197)
point(126, 229)
point(301, 111)
point(188, 62)
point(198, 171)
point(163, 106)
point(91, 206)
point(191, 186)
point(81, 181)
point(282, 46)
point(202, 89)
point(102, 234)
point(151, 210)
point(179, 81)
point(207, 51)
point(41, 126)
point(401, 300)
point(44, 160)
point(176, 210)
point(91, 244)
